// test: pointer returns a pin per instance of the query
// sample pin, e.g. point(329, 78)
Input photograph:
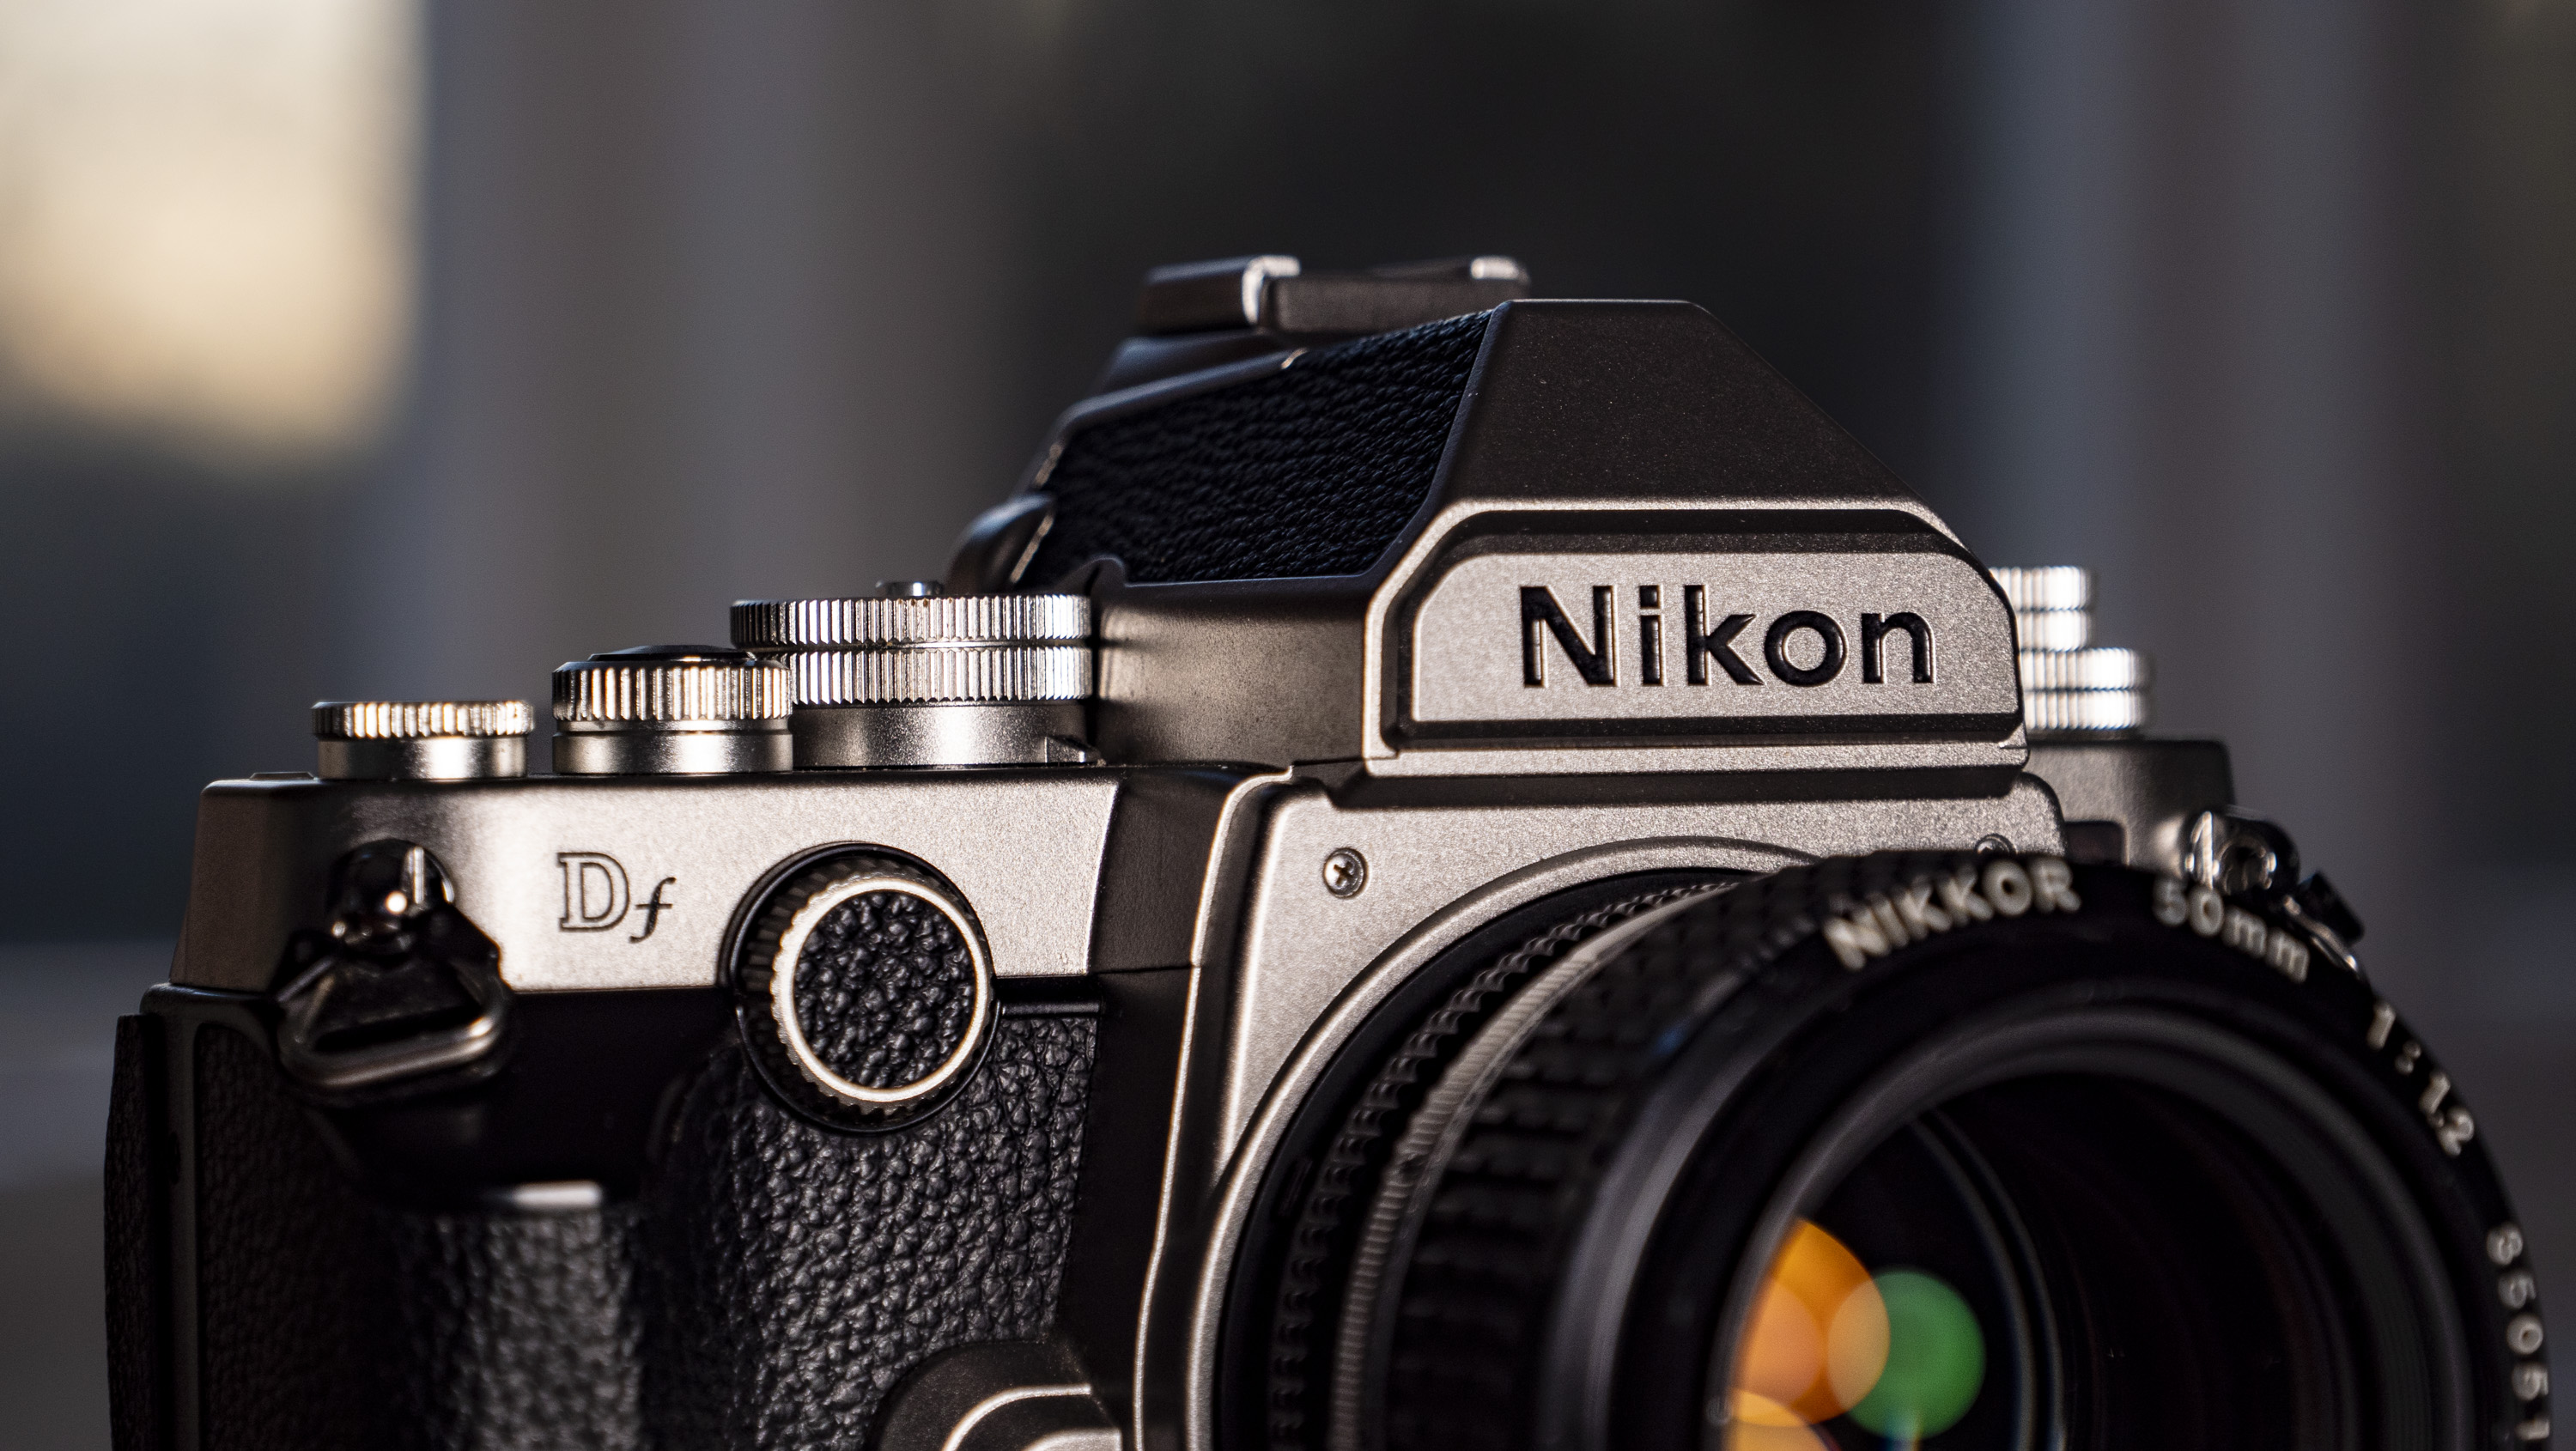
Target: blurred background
point(388, 348)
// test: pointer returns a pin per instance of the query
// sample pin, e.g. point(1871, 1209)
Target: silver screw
point(1345, 872)
point(1994, 845)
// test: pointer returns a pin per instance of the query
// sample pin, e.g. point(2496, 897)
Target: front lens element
point(1898, 1354)
point(1819, 1339)
point(1935, 1360)
point(2071, 1258)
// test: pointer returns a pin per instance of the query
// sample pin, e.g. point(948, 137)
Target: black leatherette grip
point(136, 1215)
point(804, 1271)
point(773, 1282)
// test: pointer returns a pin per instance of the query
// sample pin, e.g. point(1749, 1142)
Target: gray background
point(2265, 308)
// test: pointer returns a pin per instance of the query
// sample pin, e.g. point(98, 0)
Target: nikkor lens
point(2141, 1235)
point(1911, 1151)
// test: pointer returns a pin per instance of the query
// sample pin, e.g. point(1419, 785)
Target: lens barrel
point(1933, 1150)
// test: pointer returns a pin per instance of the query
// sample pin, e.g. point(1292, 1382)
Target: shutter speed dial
point(918, 677)
point(864, 990)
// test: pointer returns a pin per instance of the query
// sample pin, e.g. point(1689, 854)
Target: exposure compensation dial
point(2071, 688)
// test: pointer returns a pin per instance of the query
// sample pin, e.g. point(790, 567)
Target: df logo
point(597, 895)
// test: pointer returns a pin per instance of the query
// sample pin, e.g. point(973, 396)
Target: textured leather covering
point(771, 1285)
point(1314, 470)
point(136, 1304)
point(298, 1328)
point(521, 1330)
point(885, 987)
point(808, 1270)
point(330, 1321)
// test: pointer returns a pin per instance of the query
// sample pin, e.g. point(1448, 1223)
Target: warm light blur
point(1818, 1337)
point(1900, 1352)
point(203, 217)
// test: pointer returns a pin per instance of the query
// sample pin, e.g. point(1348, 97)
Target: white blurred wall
point(711, 311)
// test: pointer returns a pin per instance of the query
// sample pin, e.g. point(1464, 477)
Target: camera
point(1452, 870)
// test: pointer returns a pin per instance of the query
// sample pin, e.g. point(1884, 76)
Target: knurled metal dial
point(2045, 587)
point(2070, 687)
point(414, 720)
point(957, 673)
point(924, 649)
point(2093, 668)
point(421, 740)
point(911, 620)
point(865, 990)
point(2084, 712)
point(671, 683)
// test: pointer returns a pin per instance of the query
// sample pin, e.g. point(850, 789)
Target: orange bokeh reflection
point(1815, 1346)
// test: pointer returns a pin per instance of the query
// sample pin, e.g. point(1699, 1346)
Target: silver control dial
point(2072, 688)
point(670, 710)
point(923, 648)
point(917, 677)
point(864, 990)
point(421, 740)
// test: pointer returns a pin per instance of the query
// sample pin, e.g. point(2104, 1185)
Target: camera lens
point(2160, 1248)
point(1907, 1151)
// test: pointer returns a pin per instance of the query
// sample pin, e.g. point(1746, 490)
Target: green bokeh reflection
point(1936, 1360)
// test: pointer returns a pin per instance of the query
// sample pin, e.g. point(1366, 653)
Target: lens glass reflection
point(1896, 1355)
point(2071, 1260)
point(1895, 1313)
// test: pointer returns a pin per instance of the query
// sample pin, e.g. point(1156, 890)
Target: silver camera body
point(1647, 615)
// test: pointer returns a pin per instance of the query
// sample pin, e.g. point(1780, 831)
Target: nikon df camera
point(1451, 871)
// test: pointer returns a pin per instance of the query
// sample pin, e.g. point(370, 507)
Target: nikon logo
point(1751, 648)
point(1799, 647)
